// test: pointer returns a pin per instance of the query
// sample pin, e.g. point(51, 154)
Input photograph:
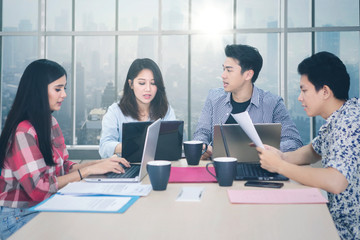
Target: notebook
point(138, 171)
point(231, 140)
point(169, 145)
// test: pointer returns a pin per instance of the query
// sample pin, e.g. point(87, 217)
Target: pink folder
point(277, 196)
point(191, 175)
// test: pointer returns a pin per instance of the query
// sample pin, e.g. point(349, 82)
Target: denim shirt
point(111, 132)
point(264, 107)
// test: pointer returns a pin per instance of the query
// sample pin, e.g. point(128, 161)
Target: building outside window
point(96, 41)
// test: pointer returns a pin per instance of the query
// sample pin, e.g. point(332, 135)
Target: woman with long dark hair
point(33, 157)
point(144, 99)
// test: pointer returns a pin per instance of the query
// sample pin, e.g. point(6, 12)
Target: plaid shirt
point(25, 178)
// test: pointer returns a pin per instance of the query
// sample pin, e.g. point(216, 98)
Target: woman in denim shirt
point(144, 99)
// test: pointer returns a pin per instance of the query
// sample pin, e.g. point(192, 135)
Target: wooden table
point(159, 216)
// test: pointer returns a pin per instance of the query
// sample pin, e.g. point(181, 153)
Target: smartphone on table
point(264, 184)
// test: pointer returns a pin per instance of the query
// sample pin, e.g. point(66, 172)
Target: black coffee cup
point(225, 170)
point(193, 151)
point(159, 173)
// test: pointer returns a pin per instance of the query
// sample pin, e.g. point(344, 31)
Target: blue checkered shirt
point(264, 107)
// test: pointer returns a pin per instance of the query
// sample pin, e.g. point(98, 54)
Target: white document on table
point(244, 120)
point(70, 203)
point(119, 189)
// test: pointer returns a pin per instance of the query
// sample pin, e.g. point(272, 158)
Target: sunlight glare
point(210, 21)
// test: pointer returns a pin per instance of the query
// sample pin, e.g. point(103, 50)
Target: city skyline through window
point(96, 41)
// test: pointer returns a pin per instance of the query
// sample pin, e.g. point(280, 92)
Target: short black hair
point(249, 58)
point(324, 68)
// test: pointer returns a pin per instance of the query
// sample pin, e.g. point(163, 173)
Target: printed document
point(69, 203)
point(244, 120)
point(119, 189)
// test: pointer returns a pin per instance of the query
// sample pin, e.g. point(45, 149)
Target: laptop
point(137, 171)
point(169, 145)
point(231, 140)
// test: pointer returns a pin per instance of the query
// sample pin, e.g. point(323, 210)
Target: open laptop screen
point(169, 145)
point(238, 141)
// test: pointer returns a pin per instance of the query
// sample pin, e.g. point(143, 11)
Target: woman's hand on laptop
point(112, 164)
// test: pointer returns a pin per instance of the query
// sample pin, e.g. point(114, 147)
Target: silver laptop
point(137, 171)
point(231, 140)
point(238, 141)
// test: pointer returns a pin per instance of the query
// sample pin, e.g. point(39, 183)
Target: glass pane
point(131, 48)
point(58, 15)
point(336, 13)
point(299, 13)
point(175, 15)
point(95, 74)
point(175, 73)
point(59, 50)
point(345, 45)
point(299, 48)
point(138, 15)
point(18, 52)
point(15, 18)
point(211, 16)
point(267, 44)
point(207, 58)
point(94, 15)
point(257, 14)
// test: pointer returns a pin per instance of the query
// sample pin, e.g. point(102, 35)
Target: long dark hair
point(32, 103)
point(128, 103)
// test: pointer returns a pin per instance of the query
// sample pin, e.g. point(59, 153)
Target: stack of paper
point(72, 203)
point(121, 189)
point(94, 197)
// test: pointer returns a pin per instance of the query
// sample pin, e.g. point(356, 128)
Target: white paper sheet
point(81, 203)
point(124, 189)
point(244, 120)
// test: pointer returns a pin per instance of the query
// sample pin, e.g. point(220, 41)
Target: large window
point(96, 41)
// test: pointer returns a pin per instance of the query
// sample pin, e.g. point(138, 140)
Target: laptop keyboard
point(254, 170)
point(131, 172)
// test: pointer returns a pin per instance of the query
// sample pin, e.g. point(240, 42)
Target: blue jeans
point(12, 219)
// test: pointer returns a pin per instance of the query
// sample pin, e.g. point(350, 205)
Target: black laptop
point(169, 145)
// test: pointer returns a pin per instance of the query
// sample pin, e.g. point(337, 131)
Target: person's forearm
point(73, 176)
point(302, 156)
point(75, 167)
point(328, 179)
point(118, 148)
